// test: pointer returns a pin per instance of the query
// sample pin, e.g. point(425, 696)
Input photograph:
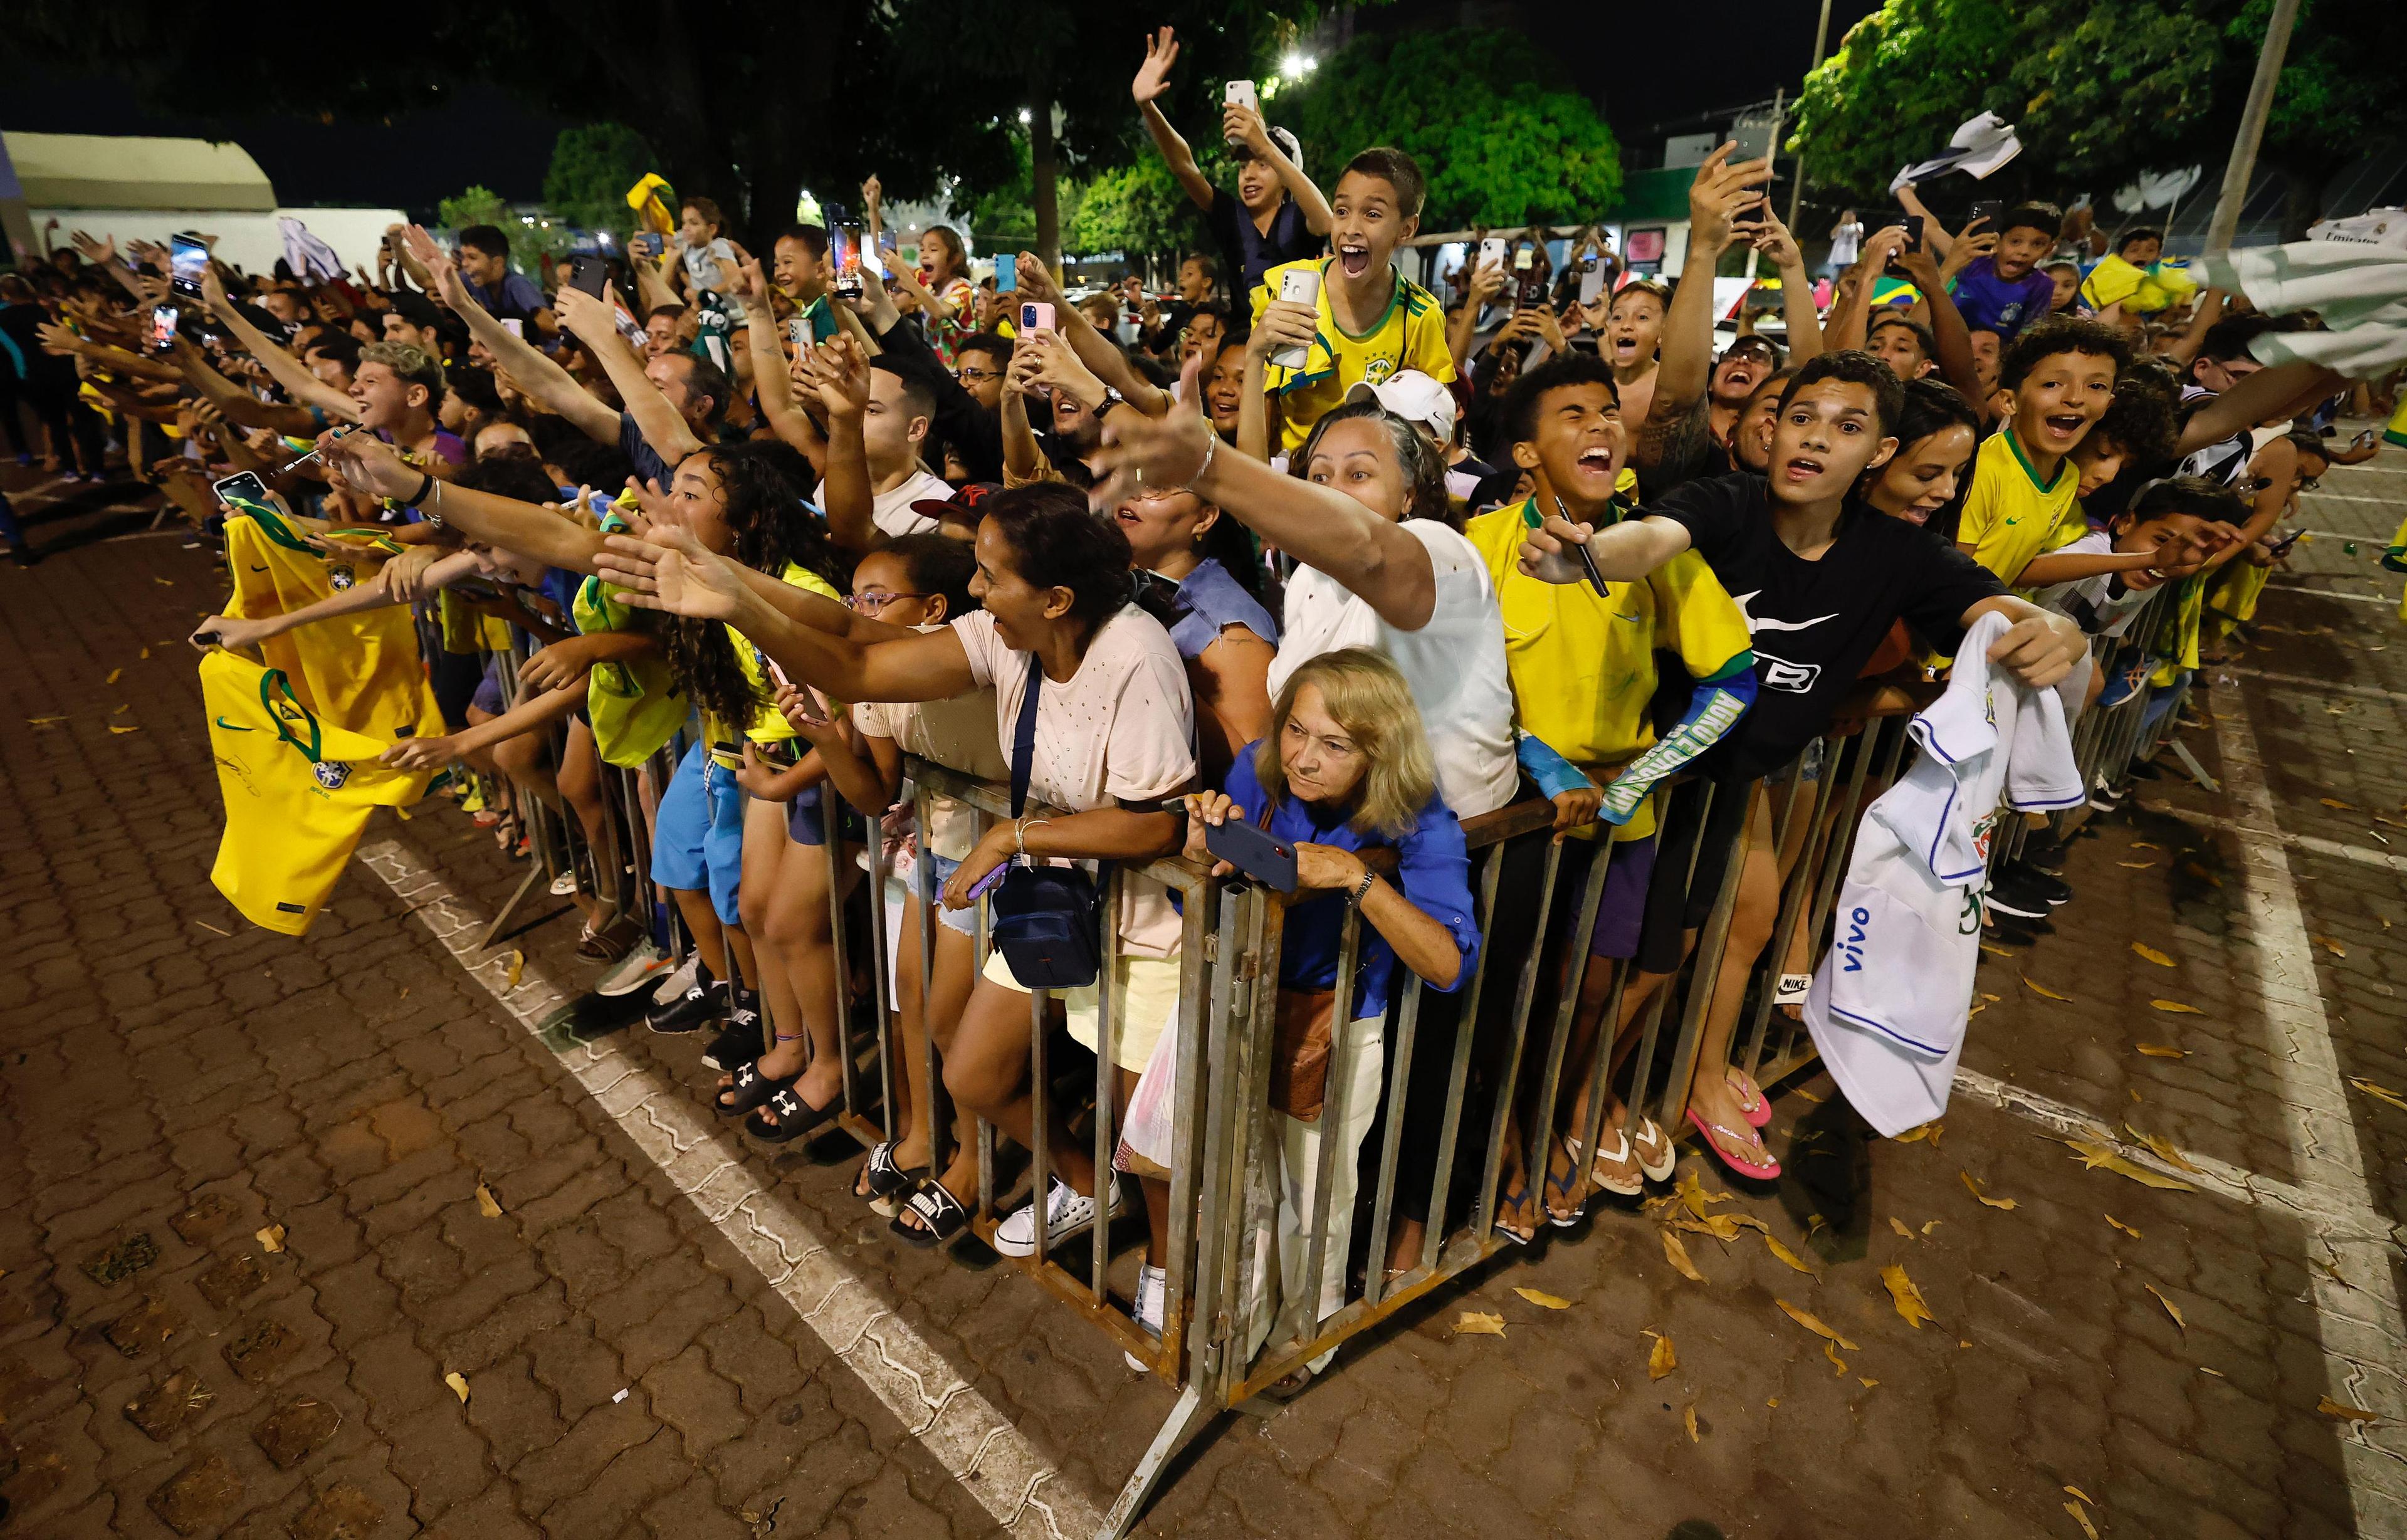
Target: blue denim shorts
point(698, 838)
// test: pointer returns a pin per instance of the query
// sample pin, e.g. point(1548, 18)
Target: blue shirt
point(519, 298)
point(1989, 303)
point(1433, 871)
point(1210, 600)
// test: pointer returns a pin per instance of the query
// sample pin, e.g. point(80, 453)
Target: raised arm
point(841, 376)
point(595, 323)
point(1935, 237)
point(2184, 348)
point(1624, 553)
point(1948, 332)
point(1719, 190)
point(530, 530)
point(289, 372)
point(551, 387)
point(1486, 283)
point(1774, 240)
point(2258, 398)
point(1244, 125)
point(1101, 356)
point(1152, 79)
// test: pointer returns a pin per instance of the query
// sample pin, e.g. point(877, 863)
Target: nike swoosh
point(258, 569)
point(1760, 623)
point(232, 728)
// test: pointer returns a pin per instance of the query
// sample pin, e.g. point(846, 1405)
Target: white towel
point(2360, 290)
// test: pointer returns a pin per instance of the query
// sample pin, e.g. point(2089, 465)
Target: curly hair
point(769, 529)
point(2140, 417)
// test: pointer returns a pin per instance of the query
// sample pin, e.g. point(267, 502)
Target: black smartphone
point(1989, 210)
point(1752, 215)
point(242, 484)
point(2281, 548)
point(1266, 860)
point(1912, 232)
point(589, 274)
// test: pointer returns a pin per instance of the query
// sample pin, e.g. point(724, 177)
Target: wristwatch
point(1111, 398)
point(1362, 890)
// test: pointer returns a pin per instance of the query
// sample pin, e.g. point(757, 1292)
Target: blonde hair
point(1366, 696)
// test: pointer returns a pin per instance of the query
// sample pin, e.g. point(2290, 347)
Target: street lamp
point(1297, 65)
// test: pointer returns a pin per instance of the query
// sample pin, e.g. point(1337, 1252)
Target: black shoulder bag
point(1045, 917)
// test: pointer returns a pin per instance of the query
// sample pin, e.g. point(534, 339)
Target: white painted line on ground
point(2363, 1328)
point(2332, 593)
point(963, 1431)
point(2362, 855)
point(2345, 497)
point(2328, 687)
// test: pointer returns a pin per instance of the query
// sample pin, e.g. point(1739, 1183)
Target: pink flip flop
point(1764, 1172)
point(1759, 1114)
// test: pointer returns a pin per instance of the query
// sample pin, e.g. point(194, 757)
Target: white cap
point(1414, 396)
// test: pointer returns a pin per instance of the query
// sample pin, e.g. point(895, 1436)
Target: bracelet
point(1019, 834)
point(1362, 890)
point(1210, 445)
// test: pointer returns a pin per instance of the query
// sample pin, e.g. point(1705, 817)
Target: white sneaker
point(1152, 1289)
point(633, 971)
point(564, 885)
point(676, 983)
point(1070, 1214)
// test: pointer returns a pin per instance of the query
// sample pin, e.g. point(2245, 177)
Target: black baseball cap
point(960, 508)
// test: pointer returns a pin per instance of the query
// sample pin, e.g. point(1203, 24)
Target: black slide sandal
point(795, 1116)
point(942, 1217)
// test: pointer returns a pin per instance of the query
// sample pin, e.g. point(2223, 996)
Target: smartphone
point(1491, 251)
point(1591, 284)
point(1269, 862)
point(1751, 216)
point(798, 333)
point(990, 882)
point(1989, 210)
point(1298, 286)
point(1006, 272)
point(2281, 548)
point(187, 260)
point(163, 327)
point(2364, 438)
point(844, 250)
point(515, 327)
point(242, 484)
point(775, 673)
point(1239, 93)
point(1912, 232)
point(589, 274)
point(1036, 315)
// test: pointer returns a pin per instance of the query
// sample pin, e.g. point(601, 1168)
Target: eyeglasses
point(971, 377)
point(874, 600)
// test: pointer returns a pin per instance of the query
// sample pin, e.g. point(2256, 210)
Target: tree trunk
point(1044, 168)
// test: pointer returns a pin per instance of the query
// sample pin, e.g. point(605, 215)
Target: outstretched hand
point(1545, 553)
point(1149, 456)
point(668, 569)
point(1153, 75)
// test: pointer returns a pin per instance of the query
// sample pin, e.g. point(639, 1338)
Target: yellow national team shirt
point(2010, 516)
point(298, 791)
point(1583, 666)
point(1410, 335)
point(768, 724)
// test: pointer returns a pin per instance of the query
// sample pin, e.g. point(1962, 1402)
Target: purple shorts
point(1621, 908)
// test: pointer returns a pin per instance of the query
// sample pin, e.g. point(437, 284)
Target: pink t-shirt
point(1121, 729)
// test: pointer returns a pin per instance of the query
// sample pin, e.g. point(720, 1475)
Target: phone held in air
point(163, 327)
point(1006, 272)
point(1268, 861)
point(1239, 93)
point(1914, 233)
point(798, 334)
point(187, 260)
point(589, 274)
point(844, 250)
point(1036, 315)
point(1297, 286)
point(515, 327)
point(1491, 251)
point(1591, 283)
point(245, 485)
point(1989, 210)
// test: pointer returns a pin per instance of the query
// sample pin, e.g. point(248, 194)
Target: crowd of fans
point(1342, 558)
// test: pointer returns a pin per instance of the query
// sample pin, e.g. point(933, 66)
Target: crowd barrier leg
point(1525, 993)
point(1576, 961)
point(1457, 1087)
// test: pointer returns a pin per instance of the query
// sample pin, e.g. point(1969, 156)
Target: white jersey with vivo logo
point(1890, 1002)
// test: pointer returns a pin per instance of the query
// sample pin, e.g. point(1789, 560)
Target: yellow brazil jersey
point(768, 724)
point(1583, 666)
point(2011, 515)
point(359, 671)
point(1409, 334)
point(298, 789)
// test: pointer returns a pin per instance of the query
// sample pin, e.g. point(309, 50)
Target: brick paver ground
point(176, 1083)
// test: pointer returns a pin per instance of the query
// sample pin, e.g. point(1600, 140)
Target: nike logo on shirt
point(232, 728)
point(1758, 623)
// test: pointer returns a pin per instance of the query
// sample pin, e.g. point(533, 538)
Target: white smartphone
point(1592, 288)
point(1239, 93)
point(515, 327)
point(1299, 286)
point(798, 333)
point(1491, 251)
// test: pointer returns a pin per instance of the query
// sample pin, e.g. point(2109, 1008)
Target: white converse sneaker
point(1069, 1214)
point(1152, 1289)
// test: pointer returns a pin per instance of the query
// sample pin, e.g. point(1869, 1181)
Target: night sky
point(1645, 66)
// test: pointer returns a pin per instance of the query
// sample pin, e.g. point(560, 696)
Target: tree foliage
point(1502, 142)
point(592, 168)
point(2099, 93)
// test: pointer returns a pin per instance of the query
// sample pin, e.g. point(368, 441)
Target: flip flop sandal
point(733, 1047)
point(942, 1217)
point(1758, 1115)
point(795, 1116)
point(611, 942)
point(1651, 1132)
point(1602, 1175)
point(752, 1090)
point(1568, 1186)
point(883, 1177)
point(1509, 1199)
point(1763, 1173)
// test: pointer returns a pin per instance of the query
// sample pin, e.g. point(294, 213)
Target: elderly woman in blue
point(1198, 575)
point(1344, 768)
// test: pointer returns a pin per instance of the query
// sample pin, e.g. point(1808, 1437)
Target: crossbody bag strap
point(1023, 737)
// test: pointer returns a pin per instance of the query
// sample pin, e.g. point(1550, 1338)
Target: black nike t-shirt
point(1817, 624)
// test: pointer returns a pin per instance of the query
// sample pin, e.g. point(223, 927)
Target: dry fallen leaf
point(2339, 1412)
point(2159, 958)
point(44, 722)
point(518, 967)
point(2138, 865)
point(2121, 1226)
point(114, 728)
point(2044, 990)
point(1791, 1258)
point(2160, 1050)
point(2163, 1149)
point(2174, 1007)
point(2082, 1518)
point(1661, 1359)
point(2169, 1305)
point(2082, 1495)
point(2098, 1155)
point(487, 1206)
point(1721, 1227)
point(2194, 869)
point(1867, 1384)
point(459, 1385)
point(1689, 1416)
point(113, 675)
point(2144, 845)
point(1898, 1225)
point(162, 583)
point(1932, 1225)
point(2327, 944)
point(1771, 1401)
point(1995, 951)
point(1477, 1323)
point(1975, 1188)
point(1907, 1297)
point(122, 708)
point(2380, 1094)
point(1535, 1296)
point(1801, 1090)
point(1831, 1352)
point(2337, 805)
point(1930, 1130)
point(271, 1239)
point(1808, 1321)
point(146, 653)
point(1677, 1255)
